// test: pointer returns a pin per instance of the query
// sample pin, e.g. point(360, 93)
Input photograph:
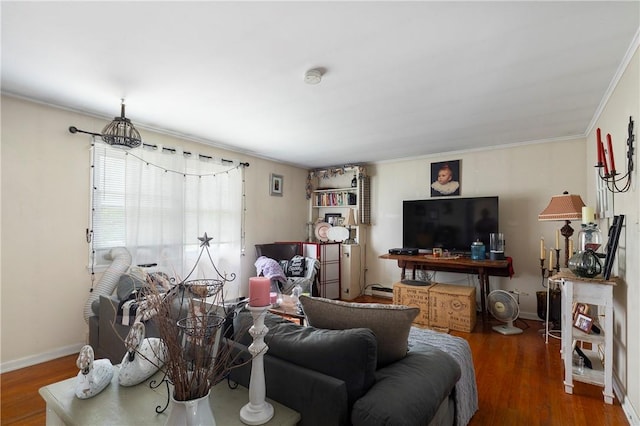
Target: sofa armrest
point(320, 399)
point(111, 332)
point(111, 335)
point(419, 383)
point(316, 349)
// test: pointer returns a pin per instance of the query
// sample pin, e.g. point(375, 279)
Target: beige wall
point(624, 103)
point(45, 211)
point(524, 178)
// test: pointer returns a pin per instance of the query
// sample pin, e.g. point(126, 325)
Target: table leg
point(484, 292)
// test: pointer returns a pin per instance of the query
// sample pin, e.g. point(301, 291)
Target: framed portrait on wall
point(276, 184)
point(445, 178)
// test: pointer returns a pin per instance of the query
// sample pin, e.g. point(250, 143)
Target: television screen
point(452, 223)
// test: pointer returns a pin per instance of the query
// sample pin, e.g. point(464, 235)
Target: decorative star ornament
point(205, 240)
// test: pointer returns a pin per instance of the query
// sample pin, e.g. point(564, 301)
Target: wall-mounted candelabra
point(616, 182)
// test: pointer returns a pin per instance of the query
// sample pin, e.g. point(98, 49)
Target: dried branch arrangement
point(191, 319)
point(197, 354)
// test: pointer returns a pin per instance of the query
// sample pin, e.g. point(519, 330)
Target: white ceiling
point(401, 79)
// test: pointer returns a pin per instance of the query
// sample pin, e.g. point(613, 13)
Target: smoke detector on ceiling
point(313, 76)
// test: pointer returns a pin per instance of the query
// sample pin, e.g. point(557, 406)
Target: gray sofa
point(332, 377)
point(106, 332)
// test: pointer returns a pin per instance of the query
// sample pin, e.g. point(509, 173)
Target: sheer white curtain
point(158, 201)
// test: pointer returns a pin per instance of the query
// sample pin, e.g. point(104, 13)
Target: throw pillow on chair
point(297, 266)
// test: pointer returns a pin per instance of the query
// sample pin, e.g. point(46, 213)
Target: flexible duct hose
point(121, 260)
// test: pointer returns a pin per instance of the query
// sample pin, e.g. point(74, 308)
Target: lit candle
point(259, 291)
point(542, 248)
point(557, 238)
point(551, 259)
point(571, 247)
point(610, 148)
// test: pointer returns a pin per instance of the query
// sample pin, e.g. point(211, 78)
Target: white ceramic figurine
point(143, 357)
point(93, 376)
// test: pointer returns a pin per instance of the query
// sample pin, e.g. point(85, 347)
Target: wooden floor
point(519, 382)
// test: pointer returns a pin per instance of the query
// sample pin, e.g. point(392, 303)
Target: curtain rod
point(73, 129)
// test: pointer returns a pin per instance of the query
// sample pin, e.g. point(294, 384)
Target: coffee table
point(289, 309)
point(119, 405)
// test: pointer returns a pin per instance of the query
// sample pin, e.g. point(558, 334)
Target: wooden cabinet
point(597, 293)
point(351, 276)
point(329, 255)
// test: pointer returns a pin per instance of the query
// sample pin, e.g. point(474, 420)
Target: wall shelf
point(331, 191)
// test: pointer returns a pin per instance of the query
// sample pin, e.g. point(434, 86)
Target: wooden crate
point(452, 307)
point(414, 296)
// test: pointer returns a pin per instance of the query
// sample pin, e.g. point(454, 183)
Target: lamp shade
point(563, 207)
point(351, 220)
point(121, 133)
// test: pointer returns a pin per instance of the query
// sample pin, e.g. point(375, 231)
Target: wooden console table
point(464, 265)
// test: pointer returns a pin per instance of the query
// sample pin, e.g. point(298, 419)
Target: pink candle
point(259, 291)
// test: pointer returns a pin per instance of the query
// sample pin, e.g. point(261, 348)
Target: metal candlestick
point(257, 411)
point(546, 274)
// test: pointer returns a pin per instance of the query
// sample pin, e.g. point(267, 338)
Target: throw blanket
point(270, 268)
point(466, 389)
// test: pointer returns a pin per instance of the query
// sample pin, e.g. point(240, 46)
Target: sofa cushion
point(419, 384)
point(348, 355)
point(127, 285)
point(389, 323)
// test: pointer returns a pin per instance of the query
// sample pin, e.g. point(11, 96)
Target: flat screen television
point(449, 223)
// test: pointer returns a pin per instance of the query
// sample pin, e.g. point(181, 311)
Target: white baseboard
point(629, 411)
point(378, 292)
point(40, 358)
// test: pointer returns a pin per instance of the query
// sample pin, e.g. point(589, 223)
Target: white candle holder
point(258, 411)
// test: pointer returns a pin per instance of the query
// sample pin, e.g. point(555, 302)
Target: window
point(158, 201)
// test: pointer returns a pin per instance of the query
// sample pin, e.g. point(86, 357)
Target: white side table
point(119, 405)
point(597, 292)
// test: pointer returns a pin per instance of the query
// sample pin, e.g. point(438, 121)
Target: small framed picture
point(276, 185)
point(583, 322)
point(332, 218)
point(580, 308)
point(437, 252)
